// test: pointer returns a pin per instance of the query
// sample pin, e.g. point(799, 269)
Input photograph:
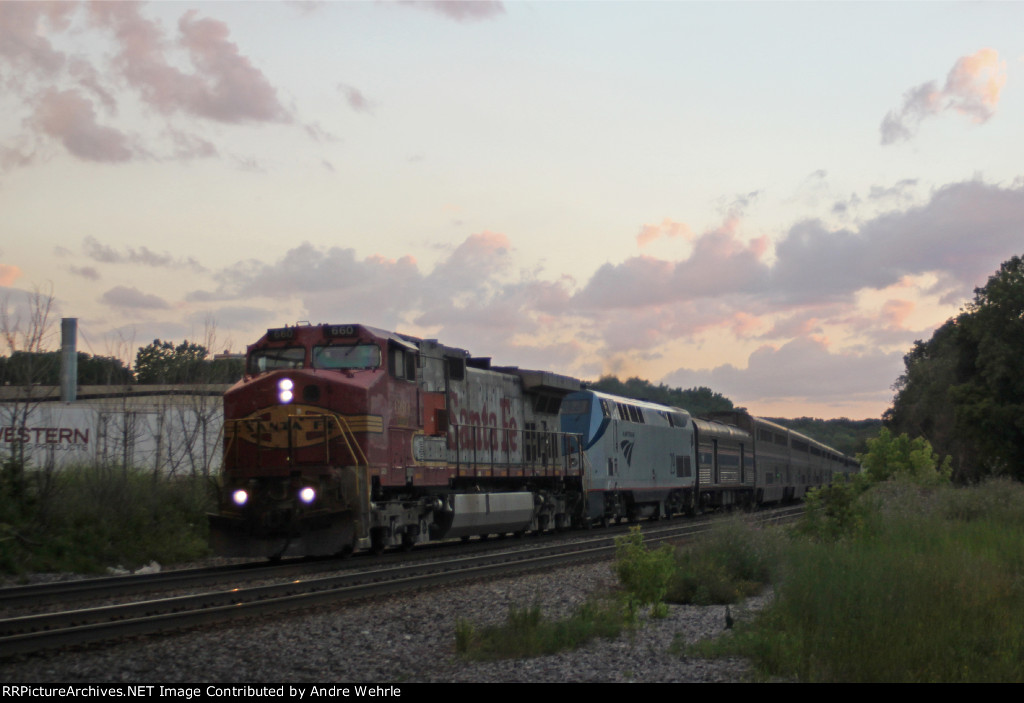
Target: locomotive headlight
point(239, 497)
point(285, 390)
point(307, 495)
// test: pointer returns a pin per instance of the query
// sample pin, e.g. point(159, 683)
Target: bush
point(732, 563)
point(920, 594)
point(89, 518)
point(833, 512)
point(644, 574)
point(890, 457)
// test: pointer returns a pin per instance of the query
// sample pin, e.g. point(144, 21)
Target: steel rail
point(26, 634)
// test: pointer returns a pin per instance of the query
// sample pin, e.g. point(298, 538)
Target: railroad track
point(31, 633)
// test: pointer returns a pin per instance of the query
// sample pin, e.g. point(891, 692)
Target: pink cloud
point(667, 228)
point(972, 88)
point(21, 42)
point(745, 325)
point(224, 86)
point(721, 264)
point(896, 312)
point(233, 90)
point(194, 69)
point(803, 369)
point(9, 274)
point(70, 118)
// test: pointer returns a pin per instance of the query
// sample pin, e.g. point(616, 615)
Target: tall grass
point(527, 633)
point(733, 562)
point(929, 590)
point(87, 518)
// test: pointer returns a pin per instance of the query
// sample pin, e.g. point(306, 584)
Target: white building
point(171, 429)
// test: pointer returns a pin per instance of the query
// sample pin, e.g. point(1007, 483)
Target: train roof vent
point(545, 380)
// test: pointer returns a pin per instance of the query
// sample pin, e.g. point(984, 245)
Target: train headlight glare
point(307, 495)
point(285, 388)
point(240, 497)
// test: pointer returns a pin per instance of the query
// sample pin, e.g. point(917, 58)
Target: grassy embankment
point(894, 583)
point(86, 519)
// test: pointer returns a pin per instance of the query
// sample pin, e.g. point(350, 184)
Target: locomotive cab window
point(580, 406)
point(402, 363)
point(455, 368)
point(269, 359)
point(346, 356)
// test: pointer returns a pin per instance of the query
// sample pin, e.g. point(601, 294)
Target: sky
point(772, 199)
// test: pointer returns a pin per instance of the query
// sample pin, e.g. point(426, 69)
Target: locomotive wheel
point(377, 542)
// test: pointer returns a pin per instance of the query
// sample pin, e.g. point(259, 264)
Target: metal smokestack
point(68, 359)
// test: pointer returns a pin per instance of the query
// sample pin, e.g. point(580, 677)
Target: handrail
point(540, 452)
point(498, 446)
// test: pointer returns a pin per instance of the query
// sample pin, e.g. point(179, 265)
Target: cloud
point(25, 47)
point(125, 297)
point(667, 228)
point(476, 260)
point(143, 256)
point(972, 88)
point(70, 118)
point(224, 86)
point(355, 98)
point(960, 234)
point(473, 294)
point(73, 95)
point(720, 263)
point(9, 274)
point(87, 272)
point(803, 369)
point(460, 10)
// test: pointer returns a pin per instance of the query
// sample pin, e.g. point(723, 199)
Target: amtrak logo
point(627, 449)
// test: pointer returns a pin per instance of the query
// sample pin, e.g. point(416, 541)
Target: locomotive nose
point(276, 519)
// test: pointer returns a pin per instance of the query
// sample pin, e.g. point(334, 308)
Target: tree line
point(963, 390)
point(161, 362)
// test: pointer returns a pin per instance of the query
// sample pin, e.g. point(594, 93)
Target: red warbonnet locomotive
point(344, 437)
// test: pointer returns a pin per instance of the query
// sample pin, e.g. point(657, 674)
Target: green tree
point(44, 369)
point(963, 389)
point(698, 401)
point(890, 457)
point(165, 363)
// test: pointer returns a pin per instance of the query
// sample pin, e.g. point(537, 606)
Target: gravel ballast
point(403, 639)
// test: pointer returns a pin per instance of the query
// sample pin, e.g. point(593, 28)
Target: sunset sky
point(773, 199)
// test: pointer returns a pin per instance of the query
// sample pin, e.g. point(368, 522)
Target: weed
point(644, 574)
point(91, 517)
point(733, 562)
point(527, 633)
point(928, 590)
